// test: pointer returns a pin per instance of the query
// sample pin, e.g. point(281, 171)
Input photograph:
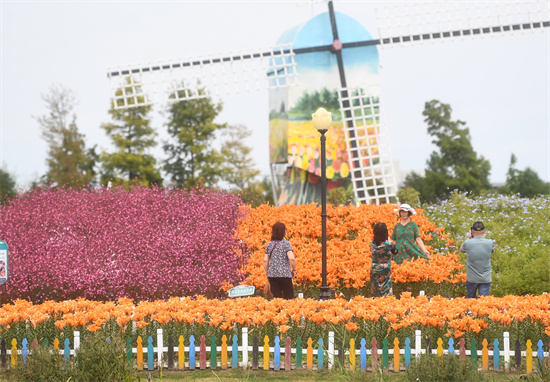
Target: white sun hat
point(405, 207)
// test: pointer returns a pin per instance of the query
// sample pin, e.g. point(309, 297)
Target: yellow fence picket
point(352, 354)
point(529, 354)
point(139, 353)
point(266, 353)
point(484, 355)
point(439, 347)
point(56, 345)
point(396, 357)
point(14, 352)
point(309, 354)
point(181, 354)
point(224, 352)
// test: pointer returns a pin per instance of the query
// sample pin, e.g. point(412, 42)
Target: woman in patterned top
point(406, 237)
point(380, 269)
point(279, 263)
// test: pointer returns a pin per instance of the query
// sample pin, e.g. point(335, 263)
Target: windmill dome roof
point(318, 31)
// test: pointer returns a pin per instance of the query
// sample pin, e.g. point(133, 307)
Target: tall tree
point(526, 183)
point(455, 165)
point(238, 167)
point(7, 186)
point(69, 163)
point(133, 136)
point(192, 159)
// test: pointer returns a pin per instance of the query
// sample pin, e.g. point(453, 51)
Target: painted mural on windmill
point(294, 141)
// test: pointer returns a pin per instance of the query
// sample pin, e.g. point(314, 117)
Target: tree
point(132, 135)
point(192, 160)
point(238, 166)
point(409, 196)
point(455, 166)
point(69, 163)
point(341, 196)
point(7, 186)
point(526, 183)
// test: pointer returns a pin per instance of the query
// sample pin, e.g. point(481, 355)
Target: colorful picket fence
point(279, 354)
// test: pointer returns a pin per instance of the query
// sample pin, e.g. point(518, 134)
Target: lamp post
point(322, 120)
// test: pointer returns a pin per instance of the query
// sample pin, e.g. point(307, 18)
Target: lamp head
point(322, 119)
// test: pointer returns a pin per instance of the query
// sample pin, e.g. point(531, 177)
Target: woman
point(380, 269)
point(279, 263)
point(406, 237)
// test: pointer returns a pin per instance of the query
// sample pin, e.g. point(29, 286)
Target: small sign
point(242, 291)
point(3, 262)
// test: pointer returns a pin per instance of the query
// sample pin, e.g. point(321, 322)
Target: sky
point(498, 85)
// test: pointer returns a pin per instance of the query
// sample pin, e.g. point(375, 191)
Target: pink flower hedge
point(109, 243)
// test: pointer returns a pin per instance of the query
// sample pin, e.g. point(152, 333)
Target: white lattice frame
point(428, 21)
point(361, 147)
point(218, 75)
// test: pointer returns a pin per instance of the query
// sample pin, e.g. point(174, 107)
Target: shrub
point(445, 368)
point(519, 227)
point(107, 243)
point(43, 364)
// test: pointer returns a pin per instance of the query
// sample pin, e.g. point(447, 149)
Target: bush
point(446, 368)
point(519, 227)
point(43, 364)
point(108, 243)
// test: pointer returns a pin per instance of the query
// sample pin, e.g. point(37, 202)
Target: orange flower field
point(349, 231)
point(383, 316)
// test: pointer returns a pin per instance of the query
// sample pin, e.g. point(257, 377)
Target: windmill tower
point(334, 60)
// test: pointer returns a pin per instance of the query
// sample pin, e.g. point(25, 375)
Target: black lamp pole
point(325, 294)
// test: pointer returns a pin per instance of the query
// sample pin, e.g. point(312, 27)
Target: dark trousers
point(472, 288)
point(281, 286)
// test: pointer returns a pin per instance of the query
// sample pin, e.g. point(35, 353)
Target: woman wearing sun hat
point(406, 236)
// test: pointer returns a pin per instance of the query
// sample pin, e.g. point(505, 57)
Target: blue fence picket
point(320, 355)
point(150, 355)
point(451, 349)
point(407, 352)
point(540, 354)
point(277, 354)
point(235, 352)
point(496, 355)
point(67, 350)
point(25, 350)
point(192, 352)
point(363, 354)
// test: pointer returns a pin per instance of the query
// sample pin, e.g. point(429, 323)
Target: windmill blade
point(441, 20)
point(370, 162)
point(210, 76)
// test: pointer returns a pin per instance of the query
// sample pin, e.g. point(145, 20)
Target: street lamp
point(322, 120)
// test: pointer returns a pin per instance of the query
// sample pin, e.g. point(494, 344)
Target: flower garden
point(127, 263)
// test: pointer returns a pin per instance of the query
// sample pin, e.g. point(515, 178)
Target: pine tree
point(69, 163)
point(133, 136)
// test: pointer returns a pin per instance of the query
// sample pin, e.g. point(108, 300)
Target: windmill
point(359, 155)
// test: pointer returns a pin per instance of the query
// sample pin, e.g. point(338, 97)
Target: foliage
point(238, 167)
point(455, 165)
point(191, 158)
point(409, 195)
point(445, 368)
point(132, 135)
point(99, 358)
point(524, 317)
point(519, 228)
point(7, 186)
point(69, 163)
point(309, 103)
point(349, 231)
point(108, 243)
point(341, 196)
point(526, 183)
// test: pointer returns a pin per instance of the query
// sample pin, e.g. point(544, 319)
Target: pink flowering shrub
point(108, 243)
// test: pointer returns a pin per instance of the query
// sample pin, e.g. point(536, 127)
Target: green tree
point(7, 186)
point(526, 183)
point(238, 167)
point(455, 165)
point(69, 163)
point(409, 196)
point(192, 159)
point(133, 136)
point(341, 196)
